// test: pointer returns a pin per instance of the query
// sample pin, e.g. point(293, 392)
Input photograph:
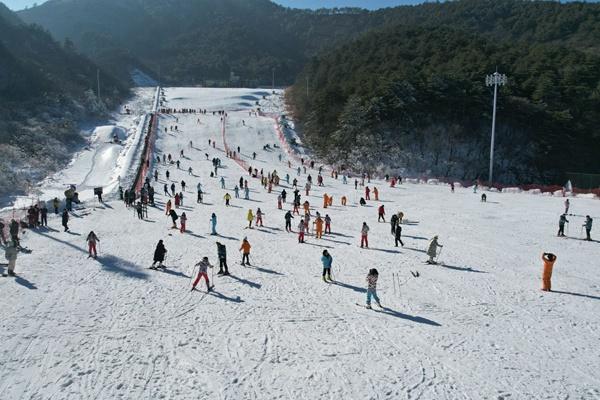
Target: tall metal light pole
point(496, 79)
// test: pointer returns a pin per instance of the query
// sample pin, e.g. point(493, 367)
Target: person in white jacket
point(432, 249)
point(203, 267)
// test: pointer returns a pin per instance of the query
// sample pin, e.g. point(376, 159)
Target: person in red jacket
point(367, 193)
point(381, 214)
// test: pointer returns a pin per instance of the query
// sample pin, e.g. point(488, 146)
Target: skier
point(199, 190)
point(372, 287)
point(288, 221)
point(177, 200)
point(173, 188)
point(259, 215)
point(376, 193)
point(168, 207)
point(190, 171)
point(567, 205)
point(183, 220)
point(2, 237)
point(549, 260)
point(319, 227)
point(159, 255)
point(381, 214)
point(588, 227)
point(394, 223)
point(398, 235)
point(432, 249)
point(227, 197)
point(222, 182)
point(213, 224)
point(183, 186)
point(236, 191)
point(245, 249)
point(14, 230)
point(283, 195)
point(364, 238)
point(483, 198)
point(155, 175)
point(279, 202)
point(301, 231)
point(139, 209)
point(327, 223)
point(362, 202)
point(250, 218)
point(367, 193)
point(222, 253)
point(65, 220)
point(165, 188)
point(10, 252)
point(92, 239)
point(174, 218)
point(167, 174)
point(452, 187)
point(344, 200)
point(327, 260)
point(561, 225)
point(246, 193)
point(202, 273)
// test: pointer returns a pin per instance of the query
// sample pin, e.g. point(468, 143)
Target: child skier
point(327, 223)
point(432, 249)
point(327, 260)
point(259, 215)
point(245, 249)
point(301, 231)
point(159, 255)
point(92, 239)
point(202, 273)
point(250, 218)
point(372, 287)
point(227, 197)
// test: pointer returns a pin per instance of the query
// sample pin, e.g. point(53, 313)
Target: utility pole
point(495, 80)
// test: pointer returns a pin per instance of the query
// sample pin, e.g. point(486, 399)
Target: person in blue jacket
point(327, 260)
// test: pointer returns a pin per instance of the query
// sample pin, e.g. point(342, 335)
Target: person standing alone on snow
point(222, 253)
point(65, 220)
point(588, 227)
point(10, 252)
point(398, 236)
point(159, 255)
point(327, 260)
point(364, 236)
point(432, 249)
point(372, 287)
point(561, 225)
point(202, 273)
point(92, 239)
point(549, 260)
point(288, 221)
point(381, 214)
point(245, 249)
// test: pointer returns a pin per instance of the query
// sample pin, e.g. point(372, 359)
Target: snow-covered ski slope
point(102, 162)
point(476, 327)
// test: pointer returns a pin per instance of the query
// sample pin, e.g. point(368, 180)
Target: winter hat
point(373, 271)
point(205, 259)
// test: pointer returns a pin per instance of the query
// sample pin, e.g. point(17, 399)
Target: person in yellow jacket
point(245, 249)
point(250, 218)
point(549, 260)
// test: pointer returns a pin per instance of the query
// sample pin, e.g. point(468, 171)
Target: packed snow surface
point(475, 327)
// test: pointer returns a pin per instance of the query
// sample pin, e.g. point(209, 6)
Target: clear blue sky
point(371, 4)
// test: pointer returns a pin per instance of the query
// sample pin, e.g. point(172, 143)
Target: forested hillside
point(191, 41)
point(415, 98)
point(45, 90)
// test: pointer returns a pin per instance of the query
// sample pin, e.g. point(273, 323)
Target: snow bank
point(586, 196)
point(533, 191)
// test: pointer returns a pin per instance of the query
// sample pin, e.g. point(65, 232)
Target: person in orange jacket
point(168, 207)
point(330, 201)
point(245, 249)
point(549, 260)
point(325, 200)
point(306, 207)
point(319, 227)
point(376, 193)
point(344, 200)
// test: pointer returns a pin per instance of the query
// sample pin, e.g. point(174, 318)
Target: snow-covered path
point(476, 327)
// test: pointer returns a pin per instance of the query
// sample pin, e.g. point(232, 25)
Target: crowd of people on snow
point(37, 215)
